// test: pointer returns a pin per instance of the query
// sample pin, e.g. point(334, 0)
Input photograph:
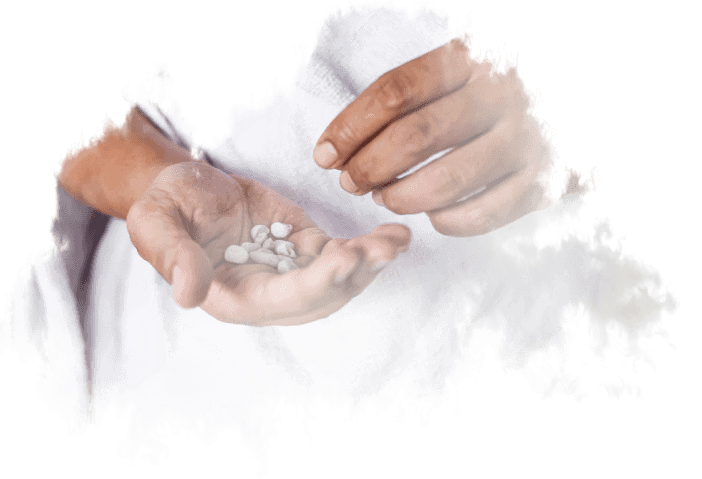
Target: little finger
point(508, 200)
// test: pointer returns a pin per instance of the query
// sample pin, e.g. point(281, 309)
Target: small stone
point(265, 256)
point(236, 254)
point(280, 230)
point(285, 248)
point(250, 246)
point(259, 229)
point(261, 238)
point(286, 265)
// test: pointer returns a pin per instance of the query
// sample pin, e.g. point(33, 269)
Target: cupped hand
point(439, 101)
point(192, 212)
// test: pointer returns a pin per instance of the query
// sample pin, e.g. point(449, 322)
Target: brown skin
point(182, 215)
point(110, 175)
point(441, 100)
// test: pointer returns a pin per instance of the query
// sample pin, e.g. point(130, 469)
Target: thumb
point(156, 228)
point(192, 275)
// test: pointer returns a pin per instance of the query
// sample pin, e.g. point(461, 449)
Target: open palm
point(192, 212)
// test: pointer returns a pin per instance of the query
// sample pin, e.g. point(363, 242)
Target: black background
point(602, 86)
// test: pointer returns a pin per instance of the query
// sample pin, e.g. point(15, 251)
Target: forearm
point(112, 174)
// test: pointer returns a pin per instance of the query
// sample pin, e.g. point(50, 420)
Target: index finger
point(407, 87)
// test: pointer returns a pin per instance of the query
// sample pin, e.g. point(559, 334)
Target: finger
point(458, 173)
point(192, 275)
point(309, 242)
point(263, 297)
point(450, 121)
point(394, 94)
point(399, 235)
point(498, 205)
point(379, 248)
point(157, 231)
point(267, 297)
point(370, 254)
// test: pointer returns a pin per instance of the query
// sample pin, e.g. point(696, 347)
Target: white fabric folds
point(420, 324)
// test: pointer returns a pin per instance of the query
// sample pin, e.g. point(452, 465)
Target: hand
point(438, 101)
point(192, 212)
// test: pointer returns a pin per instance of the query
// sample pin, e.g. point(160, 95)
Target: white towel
point(420, 324)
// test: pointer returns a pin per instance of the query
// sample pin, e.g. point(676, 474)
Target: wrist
point(114, 172)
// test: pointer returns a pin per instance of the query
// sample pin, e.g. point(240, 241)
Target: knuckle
point(363, 172)
point(315, 232)
point(419, 132)
point(415, 135)
point(344, 134)
point(395, 89)
point(450, 181)
point(424, 124)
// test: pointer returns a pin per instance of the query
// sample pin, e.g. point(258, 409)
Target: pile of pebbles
point(265, 250)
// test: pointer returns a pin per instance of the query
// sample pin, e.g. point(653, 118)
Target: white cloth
point(420, 324)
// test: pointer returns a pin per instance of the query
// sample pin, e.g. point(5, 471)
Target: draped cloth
point(108, 333)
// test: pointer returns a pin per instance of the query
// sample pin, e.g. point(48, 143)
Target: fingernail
point(325, 154)
point(340, 278)
point(347, 183)
point(378, 198)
